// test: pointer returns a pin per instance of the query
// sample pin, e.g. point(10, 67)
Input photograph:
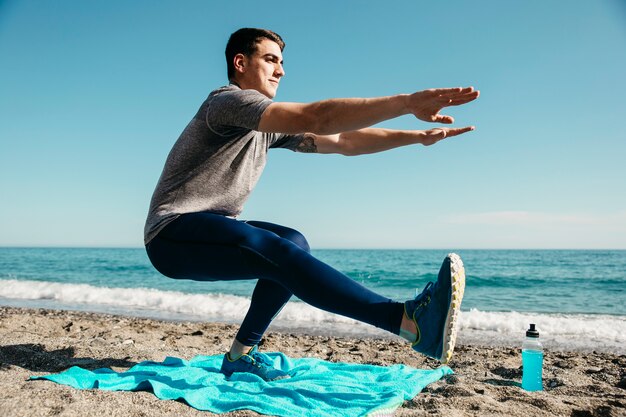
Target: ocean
point(577, 298)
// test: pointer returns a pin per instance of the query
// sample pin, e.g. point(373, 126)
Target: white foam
point(215, 306)
point(558, 331)
point(172, 304)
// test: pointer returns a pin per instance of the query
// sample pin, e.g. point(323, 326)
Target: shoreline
point(486, 381)
point(559, 331)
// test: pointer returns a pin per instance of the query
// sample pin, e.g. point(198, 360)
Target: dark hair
point(244, 41)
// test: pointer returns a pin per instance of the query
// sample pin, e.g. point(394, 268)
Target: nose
point(279, 71)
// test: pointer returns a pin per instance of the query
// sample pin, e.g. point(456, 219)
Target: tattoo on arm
point(308, 144)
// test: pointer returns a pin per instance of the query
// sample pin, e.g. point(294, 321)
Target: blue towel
point(317, 387)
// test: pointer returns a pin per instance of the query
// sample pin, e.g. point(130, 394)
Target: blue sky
point(94, 94)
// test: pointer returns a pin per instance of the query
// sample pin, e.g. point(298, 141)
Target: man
point(192, 231)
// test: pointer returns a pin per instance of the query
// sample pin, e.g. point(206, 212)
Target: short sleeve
point(290, 142)
point(235, 108)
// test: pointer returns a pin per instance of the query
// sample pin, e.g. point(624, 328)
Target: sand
point(486, 381)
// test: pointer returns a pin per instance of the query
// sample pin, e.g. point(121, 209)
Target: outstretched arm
point(334, 116)
point(366, 141)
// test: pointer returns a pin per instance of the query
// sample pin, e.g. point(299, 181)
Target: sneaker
point(436, 311)
point(253, 362)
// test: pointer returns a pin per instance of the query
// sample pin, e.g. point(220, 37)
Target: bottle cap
point(532, 332)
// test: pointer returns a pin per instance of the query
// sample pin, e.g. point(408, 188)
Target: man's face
point(263, 70)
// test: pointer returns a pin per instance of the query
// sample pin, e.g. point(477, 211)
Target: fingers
point(426, 105)
point(459, 130)
point(452, 91)
point(456, 101)
point(466, 94)
point(435, 135)
point(440, 118)
point(445, 91)
point(445, 132)
point(446, 97)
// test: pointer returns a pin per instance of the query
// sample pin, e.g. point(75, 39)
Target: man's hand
point(426, 105)
point(364, 141)
point(432, 136)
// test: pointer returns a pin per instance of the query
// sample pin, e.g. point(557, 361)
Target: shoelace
point(257, 359)
point(261, 359)
point(424, 297)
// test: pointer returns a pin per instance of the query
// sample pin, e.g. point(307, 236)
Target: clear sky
point(94, 93)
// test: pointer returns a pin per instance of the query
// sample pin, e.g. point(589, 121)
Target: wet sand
point(487, 380)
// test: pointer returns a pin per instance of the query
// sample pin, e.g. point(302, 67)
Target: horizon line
point(330, 248)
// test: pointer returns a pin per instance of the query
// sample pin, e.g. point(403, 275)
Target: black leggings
point(211, 247)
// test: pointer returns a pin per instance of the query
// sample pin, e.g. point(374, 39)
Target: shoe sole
point(457, 285)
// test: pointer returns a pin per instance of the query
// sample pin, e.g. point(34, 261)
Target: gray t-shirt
point(217, 160)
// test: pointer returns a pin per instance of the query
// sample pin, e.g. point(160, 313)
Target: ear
point(240, 63)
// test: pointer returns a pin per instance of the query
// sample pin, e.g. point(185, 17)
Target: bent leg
point(266, 302)
point(269, 297)
point(205, 246)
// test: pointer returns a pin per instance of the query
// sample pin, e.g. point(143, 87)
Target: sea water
point(577, 298)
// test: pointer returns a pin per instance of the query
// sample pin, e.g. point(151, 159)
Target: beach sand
point(486, 381)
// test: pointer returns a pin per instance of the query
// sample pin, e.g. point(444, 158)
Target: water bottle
point(532, 361)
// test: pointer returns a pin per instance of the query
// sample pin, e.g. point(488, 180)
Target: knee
point(298, 238)
point(270, 244)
